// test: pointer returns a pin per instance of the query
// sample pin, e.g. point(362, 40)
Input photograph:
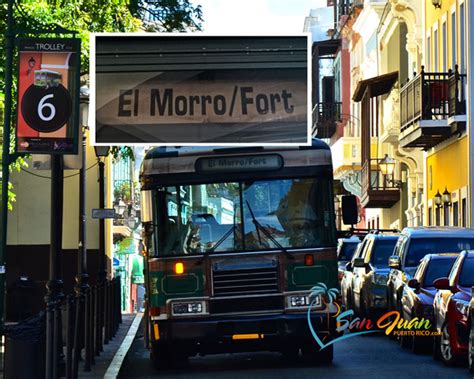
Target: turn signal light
point(179, 268)
point(308, 260)
point(155, 311)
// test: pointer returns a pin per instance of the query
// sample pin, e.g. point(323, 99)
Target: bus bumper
point(233, 334)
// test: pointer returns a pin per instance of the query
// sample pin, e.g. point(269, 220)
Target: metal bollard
point(49, 341)
point(87, 334)
point(100, 332)
point(70, 306)
point(119, 307)
point(97, 320)
point(78, 335)
point(105, 312)
point(92, 325)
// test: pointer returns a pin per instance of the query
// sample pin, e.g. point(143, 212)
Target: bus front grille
point(245, 282)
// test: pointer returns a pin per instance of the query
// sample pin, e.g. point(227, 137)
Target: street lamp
point(387, 165)
point(436, 3)
point(437, 199)
point(446, 197)
point(101, 152)
point(120, 207)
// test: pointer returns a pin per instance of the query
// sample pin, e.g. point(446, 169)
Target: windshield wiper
point(259, 226)
point(217, 244)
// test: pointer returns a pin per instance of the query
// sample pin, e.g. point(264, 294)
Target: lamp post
point(101, 152)
point(82, 332)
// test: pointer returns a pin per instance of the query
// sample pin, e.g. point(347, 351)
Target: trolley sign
point(48, 96)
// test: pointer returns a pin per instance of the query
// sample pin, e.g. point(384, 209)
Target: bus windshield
point(244, 216)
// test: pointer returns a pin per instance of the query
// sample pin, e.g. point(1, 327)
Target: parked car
point(471, 333)
point(412, 245)
point(451, 310)
point(346, 248)
point(348, 276)
point(369, 287)
point(419, 293)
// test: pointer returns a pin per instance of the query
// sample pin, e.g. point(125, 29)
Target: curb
point(114, 367)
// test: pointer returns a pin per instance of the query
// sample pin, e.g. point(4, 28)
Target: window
point(438, 268)
point(428, 53)
point(462, 39)
point(421, 246)
point(435, 51)
point(206, 218)
point(445, 47)
point(430, 216)
point(438, 216)
point(455, 213)
point(464, 212)
point(382, 251)
point(466, 279)
point(453, 40)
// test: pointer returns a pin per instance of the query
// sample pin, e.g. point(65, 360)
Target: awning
point(378, 85)
point(326, 48)
point(137, 270)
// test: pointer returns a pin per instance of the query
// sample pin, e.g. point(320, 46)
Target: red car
point(451, 310)
point(471, 334)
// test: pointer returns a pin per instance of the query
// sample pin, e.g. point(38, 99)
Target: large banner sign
point(185, 99)
point(48, 96)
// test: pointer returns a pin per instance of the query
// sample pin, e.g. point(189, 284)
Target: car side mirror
point(442, 284)
point(394, 262)
point(359, 262)
point(413, 283)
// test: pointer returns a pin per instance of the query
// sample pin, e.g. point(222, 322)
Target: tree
point(86, 16)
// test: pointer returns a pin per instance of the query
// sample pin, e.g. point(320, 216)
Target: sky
point(256, 16)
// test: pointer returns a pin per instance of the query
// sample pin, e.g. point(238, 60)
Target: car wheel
point(471, 348)
point(316, 355)
point(445, 349)
point(160, 356)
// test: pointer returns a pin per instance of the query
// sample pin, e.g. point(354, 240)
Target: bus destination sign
point(242, 90)
point(262, 162)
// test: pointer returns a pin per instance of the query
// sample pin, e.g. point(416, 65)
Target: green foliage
point(84, 17)
point(122, 191)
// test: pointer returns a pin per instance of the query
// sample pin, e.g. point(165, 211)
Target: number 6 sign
point(48, 93)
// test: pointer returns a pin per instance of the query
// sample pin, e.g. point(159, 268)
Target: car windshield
point(382, 251)
point(347, 250)
point(438, 268)
point(466, 279)
point(242, 216)
point(419, 247)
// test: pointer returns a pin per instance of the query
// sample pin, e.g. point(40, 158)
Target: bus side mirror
point(350, 214)
point(146, 212)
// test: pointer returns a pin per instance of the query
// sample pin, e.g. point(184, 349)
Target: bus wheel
point(316, 355)
point(160, 357)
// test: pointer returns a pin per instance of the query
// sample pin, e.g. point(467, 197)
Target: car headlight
point(299, 301)
point(380, 280)
point(188, 308)
point(462, 307)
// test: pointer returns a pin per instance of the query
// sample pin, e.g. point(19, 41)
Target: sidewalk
point(103, 361)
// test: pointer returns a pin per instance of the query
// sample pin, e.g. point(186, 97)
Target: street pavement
point(367, 357)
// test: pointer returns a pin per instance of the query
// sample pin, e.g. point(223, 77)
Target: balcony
point(457, 102)
point(431, 109)
point(325, 116)
point(378, 191)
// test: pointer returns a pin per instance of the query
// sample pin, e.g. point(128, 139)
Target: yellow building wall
point(447, 168)
point(436, 16)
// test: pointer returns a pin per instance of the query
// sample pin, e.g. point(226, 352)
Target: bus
point(234, 240)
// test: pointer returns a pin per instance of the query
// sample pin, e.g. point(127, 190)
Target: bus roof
point(175, 151)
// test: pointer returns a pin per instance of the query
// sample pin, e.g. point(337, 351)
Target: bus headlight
point(299, 301)
point(188, 308)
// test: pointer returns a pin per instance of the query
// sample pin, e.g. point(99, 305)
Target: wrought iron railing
point(324, 117)
point(373, 179)
point(425, 97)
point(457, 99)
